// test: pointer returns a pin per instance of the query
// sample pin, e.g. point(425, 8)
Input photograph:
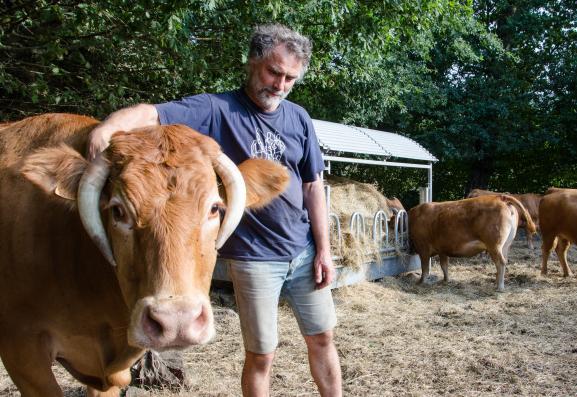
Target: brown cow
point(395, 205)
point(529, 200)
point(558, 221)
point(136, 276)
point(395, 222)
point(465, 228)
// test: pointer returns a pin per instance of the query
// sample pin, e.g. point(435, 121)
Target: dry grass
point(346, 198)
point(396, 338)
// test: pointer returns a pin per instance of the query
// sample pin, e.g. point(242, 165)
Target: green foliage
point(488, 86)
point(505, 115)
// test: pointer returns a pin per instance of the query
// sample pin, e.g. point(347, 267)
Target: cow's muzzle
point(171, 323)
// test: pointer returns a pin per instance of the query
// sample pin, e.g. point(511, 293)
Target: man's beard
point(268, 98)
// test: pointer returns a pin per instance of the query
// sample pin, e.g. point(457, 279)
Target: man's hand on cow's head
point(98, 141)
point(324, 269)
point(138, 116)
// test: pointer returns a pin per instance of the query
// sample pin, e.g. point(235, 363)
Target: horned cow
point(101, 260)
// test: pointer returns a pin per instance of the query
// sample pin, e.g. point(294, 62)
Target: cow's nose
point(157, 322)
point(176, 323)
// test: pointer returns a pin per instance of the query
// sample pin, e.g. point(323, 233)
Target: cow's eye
point(118, 213)
point(216, 210)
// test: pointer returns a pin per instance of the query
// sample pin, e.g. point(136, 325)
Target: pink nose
point(176, 323)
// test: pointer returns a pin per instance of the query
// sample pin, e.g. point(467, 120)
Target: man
point(283, 247)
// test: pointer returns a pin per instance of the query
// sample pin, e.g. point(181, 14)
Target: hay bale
point(347, 197)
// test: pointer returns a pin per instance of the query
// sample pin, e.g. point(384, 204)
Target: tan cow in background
point(558, 222)
point(100, 261)
point(395, 206)
point(529, 200)
point(464, 228)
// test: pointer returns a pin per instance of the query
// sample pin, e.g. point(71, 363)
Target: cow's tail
point(531, 228)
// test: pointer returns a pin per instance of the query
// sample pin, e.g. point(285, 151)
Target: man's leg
point(257, 287)
point(256, 374)
point(324, 363)
point(316, 316)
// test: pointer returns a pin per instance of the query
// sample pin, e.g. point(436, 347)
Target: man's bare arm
point(126, 119)
point(314, 200)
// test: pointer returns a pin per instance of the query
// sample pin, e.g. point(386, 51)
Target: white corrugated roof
point(349, 139)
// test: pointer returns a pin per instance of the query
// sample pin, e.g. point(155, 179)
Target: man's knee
point(260, 362)
point(322, 340)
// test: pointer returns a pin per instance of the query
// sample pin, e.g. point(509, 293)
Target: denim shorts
point(258, 287)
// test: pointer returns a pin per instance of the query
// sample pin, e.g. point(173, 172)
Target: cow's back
point(19, 138)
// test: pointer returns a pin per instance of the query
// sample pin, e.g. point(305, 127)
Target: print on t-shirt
point(267, 146)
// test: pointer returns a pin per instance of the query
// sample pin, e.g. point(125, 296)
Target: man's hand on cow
point(98, 140)
point(324, 269)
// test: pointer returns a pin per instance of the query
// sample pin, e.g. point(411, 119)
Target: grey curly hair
point(266, 37)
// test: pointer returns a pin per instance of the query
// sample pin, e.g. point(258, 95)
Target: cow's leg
point(547, 245)
point(529, 237)
point(444, 260)
point(112, 392)
point(561, 250)
point(499, 261)
point(425, 267)
point(29, 364)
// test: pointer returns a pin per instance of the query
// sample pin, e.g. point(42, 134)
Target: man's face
point(271, 79)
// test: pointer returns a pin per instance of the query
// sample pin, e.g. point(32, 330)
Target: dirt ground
point(396, 338)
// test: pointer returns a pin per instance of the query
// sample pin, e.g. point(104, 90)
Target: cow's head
point(157, 220)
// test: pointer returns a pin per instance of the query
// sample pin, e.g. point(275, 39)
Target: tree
point(488, 86)
point(504, 116)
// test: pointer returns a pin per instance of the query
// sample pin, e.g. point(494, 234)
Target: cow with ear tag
point(102, 260)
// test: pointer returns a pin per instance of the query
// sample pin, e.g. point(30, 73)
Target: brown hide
point(465, 228)
point(59, 298)
point(559, 189)
point(529, 200)
point(395, 203)
point(558, 222)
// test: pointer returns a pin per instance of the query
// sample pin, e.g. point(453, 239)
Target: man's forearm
point(315, 203)
point(142, 115)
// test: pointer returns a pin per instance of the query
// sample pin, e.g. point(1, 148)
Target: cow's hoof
point(427, 280)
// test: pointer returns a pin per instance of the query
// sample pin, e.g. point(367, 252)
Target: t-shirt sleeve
point(312, 162)
point(194, 111)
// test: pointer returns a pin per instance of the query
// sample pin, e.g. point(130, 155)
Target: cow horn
point(235, 196)
point(89, 191)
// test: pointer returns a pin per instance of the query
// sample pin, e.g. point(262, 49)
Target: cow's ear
point(264, 181)
point(56, 170)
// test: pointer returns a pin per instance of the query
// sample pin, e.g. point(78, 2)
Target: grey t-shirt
point(280, 230)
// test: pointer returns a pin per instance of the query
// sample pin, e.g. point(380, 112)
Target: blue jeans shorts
point(258, 287)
